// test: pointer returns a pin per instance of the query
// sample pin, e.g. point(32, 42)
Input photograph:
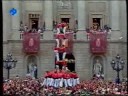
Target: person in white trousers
point(59, 26)
point(57, 55)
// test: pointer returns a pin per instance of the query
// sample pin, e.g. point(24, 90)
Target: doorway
point(66, 20)
point(34, 23)
point(96, 22)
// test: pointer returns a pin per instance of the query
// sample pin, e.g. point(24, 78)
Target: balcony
point(42, 34)
point(105, 32)
point(22, 33)
point(41, 31)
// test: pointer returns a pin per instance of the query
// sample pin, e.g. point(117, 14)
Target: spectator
point(32, 87)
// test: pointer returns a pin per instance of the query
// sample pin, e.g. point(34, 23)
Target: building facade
point(79, 15)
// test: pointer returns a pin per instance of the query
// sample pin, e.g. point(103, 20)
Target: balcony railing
point(42, 35)
point(108, 33)
point(21, 35)
point(74, 34)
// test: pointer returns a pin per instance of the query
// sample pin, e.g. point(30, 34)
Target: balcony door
point(66, 20)
point(34, 23)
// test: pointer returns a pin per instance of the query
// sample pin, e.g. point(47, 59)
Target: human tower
point(61, 76)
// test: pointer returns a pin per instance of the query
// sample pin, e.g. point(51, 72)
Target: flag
point(31, 42)
point(98, 42)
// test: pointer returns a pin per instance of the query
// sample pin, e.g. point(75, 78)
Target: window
point(96, 19)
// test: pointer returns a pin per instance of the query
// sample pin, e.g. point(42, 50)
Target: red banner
point(31, 42)
point(98, 42)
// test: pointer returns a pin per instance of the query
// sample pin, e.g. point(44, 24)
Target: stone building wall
point(83, 58)
point(45, 58)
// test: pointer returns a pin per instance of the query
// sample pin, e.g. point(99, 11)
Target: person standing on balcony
point(39, 30)
point(87, 32)
point(26, 28)
point(21, 28)
point(96, 27)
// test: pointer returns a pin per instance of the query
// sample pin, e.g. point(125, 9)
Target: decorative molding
point(97, 6)
point(53, 41)
point(64, 4)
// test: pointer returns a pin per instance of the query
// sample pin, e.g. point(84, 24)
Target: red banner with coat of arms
point(98, 42)
point(31, 42)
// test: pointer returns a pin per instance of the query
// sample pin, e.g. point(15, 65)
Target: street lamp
point(117, 65)
point(9, 63)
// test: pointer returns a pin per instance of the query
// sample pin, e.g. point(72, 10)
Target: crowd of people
point(24, 28)
point(35, 87)
point(96, 29)
point(60, 28)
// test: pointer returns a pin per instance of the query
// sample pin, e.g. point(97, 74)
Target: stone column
point(22, 11)
point(16, 21)
point(6, 20)
point(6, 30)
point(115, 19)
point(81, 20)
point(124, 35)
point(123, 21)
point(48, 19)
